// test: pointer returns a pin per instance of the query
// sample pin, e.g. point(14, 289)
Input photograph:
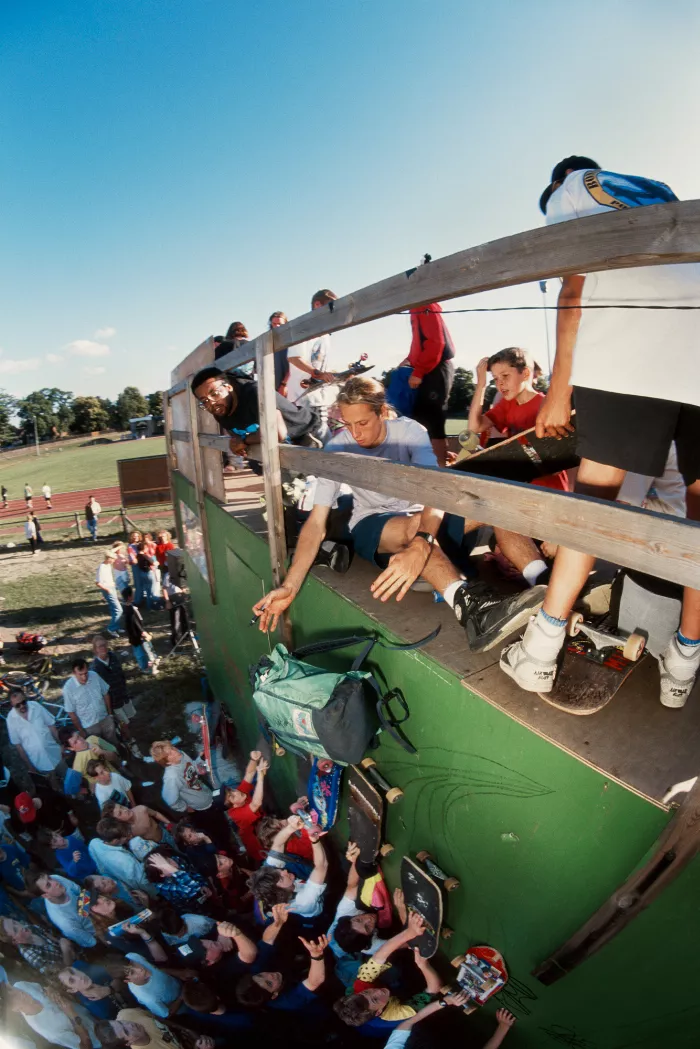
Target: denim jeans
point(92, 527)
point(114, 607)
point(143, 654)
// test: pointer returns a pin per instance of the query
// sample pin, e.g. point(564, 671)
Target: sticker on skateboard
point(523, 457)
point(423, 895)
point(482, 973)
point(366, 817)
point(595, 665)
point(323, 790)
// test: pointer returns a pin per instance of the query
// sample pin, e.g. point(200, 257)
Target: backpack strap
point(388, 720)
point(317, 647)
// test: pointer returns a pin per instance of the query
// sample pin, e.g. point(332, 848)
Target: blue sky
point(169, 166)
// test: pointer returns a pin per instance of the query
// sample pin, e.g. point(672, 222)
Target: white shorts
point(125, 712)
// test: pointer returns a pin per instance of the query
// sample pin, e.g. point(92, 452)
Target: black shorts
point(635, 433)
point(431, 399)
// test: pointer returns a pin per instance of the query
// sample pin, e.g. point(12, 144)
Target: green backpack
point(330, 715)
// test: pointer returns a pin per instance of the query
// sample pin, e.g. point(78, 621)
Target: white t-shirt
point(406, 442)
point(66, 918)
point(104, 791)
point(52, 1023)
point(34, 735)
point(648, 353)
point(195, 924)
point(46, 490)
point(665, 494)
point(30, 529)
point(314, 352)
point(160, 991)
point(104, 576)
point(86, 700)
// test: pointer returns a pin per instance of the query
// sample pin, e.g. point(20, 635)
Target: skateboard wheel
point(423, 856)
point(451, 884)
point(573, 623)
point(368, 763)
point(446, 932)
point(633, 647)
point(394, 795)
point(457, 961)
point(280, 751)
point(386, 850)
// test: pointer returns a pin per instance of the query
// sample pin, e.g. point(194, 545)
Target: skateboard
point(595, 666)
point(424, 896)
point(482, 973)
point(523, 457)
point(358, 367)
point(391, 794)
point(366, 817)
point(450, 884)
point(323, 790)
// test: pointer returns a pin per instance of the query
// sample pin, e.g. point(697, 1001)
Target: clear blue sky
point(171, 165)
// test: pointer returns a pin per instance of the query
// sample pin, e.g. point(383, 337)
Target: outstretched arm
point(505, 1021)
point(320, 871)
point(317, 971)
point(277, 601)
point(477, 419)
point(352, 854)
point(555, 410)
point(257, 799)
point(252, 765)
point(247, 950)
point(294, 823)
point(415, 927)
point(433, 983)
point(450, 999)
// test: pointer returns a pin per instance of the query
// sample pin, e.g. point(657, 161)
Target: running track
point(62, 502)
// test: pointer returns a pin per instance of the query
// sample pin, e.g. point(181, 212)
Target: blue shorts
point(367, 533)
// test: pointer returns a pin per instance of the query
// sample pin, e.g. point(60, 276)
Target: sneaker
point(489, 618)
point(531, 673)
point(113, 633)
point(678, 672)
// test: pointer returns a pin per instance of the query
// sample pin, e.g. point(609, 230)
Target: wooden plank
point(678, 844)
point(200, 357)
point(199, 489)
point(246, 353)
point(272, 474)
point(209, 440)
point(179, 387)
point(664, 546)
point(179, 435)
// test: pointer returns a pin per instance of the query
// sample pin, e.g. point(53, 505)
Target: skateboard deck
point(423, 896)
point(323, 790)
point(523, 457)
point(365, 815)
point(589, 676)
point(482, 973)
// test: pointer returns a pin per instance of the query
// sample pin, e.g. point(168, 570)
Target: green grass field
point(75, 468)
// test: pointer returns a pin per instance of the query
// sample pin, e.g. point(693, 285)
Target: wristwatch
point(430, 539)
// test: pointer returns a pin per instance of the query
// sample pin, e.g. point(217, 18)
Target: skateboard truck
point(632, 646)
point(449, 883)
point(392, 794)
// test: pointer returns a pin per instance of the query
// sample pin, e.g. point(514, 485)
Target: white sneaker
point(532, 661)
point(678, 672)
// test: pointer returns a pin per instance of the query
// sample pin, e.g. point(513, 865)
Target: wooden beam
point(676, 847)
point(180, 435)
point(210, 440)
point(245, 353)
point(272, 474)
point(172, 460)
point(179, 387)
point(664, 546)
point(199, 490)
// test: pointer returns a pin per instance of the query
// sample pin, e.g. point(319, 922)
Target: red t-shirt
point(162, 552)
point(510, 418)
point(245, 819)
point(301, 846)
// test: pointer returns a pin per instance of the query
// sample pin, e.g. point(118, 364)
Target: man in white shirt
point(637, 391)
point(153, 988)
point(104, 579)
point(67, 1025)
point(32, 731)
point(310, 359)
point(114, 860)
point(61, 902)
point(87, 702)
point(46, 492)
point(273, 883)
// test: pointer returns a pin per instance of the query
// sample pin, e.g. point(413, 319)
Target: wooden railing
point(664, 546)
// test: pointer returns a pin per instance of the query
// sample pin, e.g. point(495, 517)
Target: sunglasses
point(215, 394)
point(22, 705)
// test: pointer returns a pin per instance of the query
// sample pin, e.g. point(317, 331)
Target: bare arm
point(320, 871)
point(477, 420)
point(304, 367)
point(405, 567)
point(433, 983)
point(76, 723)
point(280, 913)
point(317, 970)
point(415, 927)
point(130, 796)
point(108, 702)
point(257, 799)
point(505, 1021)
point(312, 534)
point(555, 411)
point(23, 754)
point(450, 999)
point(252, 765)
point(247, 950)
point(159, 816)
point(294, 823)
point(352, 854)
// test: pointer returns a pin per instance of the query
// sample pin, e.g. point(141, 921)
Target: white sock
point(533, 571)
point(450, 591)
point(544, 639)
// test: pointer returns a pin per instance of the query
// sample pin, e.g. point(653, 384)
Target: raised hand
point(416, 923)
point(280, 913)
point(315, 947)
point(352, 853)
point(504, 1018)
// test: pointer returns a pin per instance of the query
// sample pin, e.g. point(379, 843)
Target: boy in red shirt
point(513, 370)
point(244, 804)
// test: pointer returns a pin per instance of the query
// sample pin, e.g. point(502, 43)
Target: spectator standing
point(104, 580)
point(150, 576)
point(108, 666)
point(184, 791)
point(432, 362)
point(87, 701)
point(28, 495)
point(139, 638)
point(310, 359)
point(276, 320)
point(30, 532)
point(132, 551)
point(3, 492)
point(92, 511)
point(37, 526)
point(32, 731)
point(164, 542)
point(61, 901)
point(120, 566)
point(46, 492)
point(64, 1025)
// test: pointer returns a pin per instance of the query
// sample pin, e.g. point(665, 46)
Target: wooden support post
point(171, 457)
point(125, 526)
point(77, 525)
point(199, 489)
point(678, 844)
point(272, 472)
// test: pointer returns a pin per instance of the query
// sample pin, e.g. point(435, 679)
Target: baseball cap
point(26, 809)
point(559, 174)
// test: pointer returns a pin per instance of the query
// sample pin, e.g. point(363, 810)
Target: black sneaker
point(489, 617)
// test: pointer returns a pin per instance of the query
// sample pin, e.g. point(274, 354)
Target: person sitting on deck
point(628, 409)
point(233, 401)
point(399, 536)
point(513, 371)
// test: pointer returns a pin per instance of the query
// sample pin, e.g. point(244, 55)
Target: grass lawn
point(455, 425)
point(54, 593)
point(75, 468)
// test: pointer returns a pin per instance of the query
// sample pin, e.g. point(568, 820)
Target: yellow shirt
point(81, 758)
point(160, 1035)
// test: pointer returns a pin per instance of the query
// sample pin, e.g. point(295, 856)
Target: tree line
point(58, 412)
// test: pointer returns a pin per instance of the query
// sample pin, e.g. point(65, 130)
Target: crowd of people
point(204, 919)
point(636, 435)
